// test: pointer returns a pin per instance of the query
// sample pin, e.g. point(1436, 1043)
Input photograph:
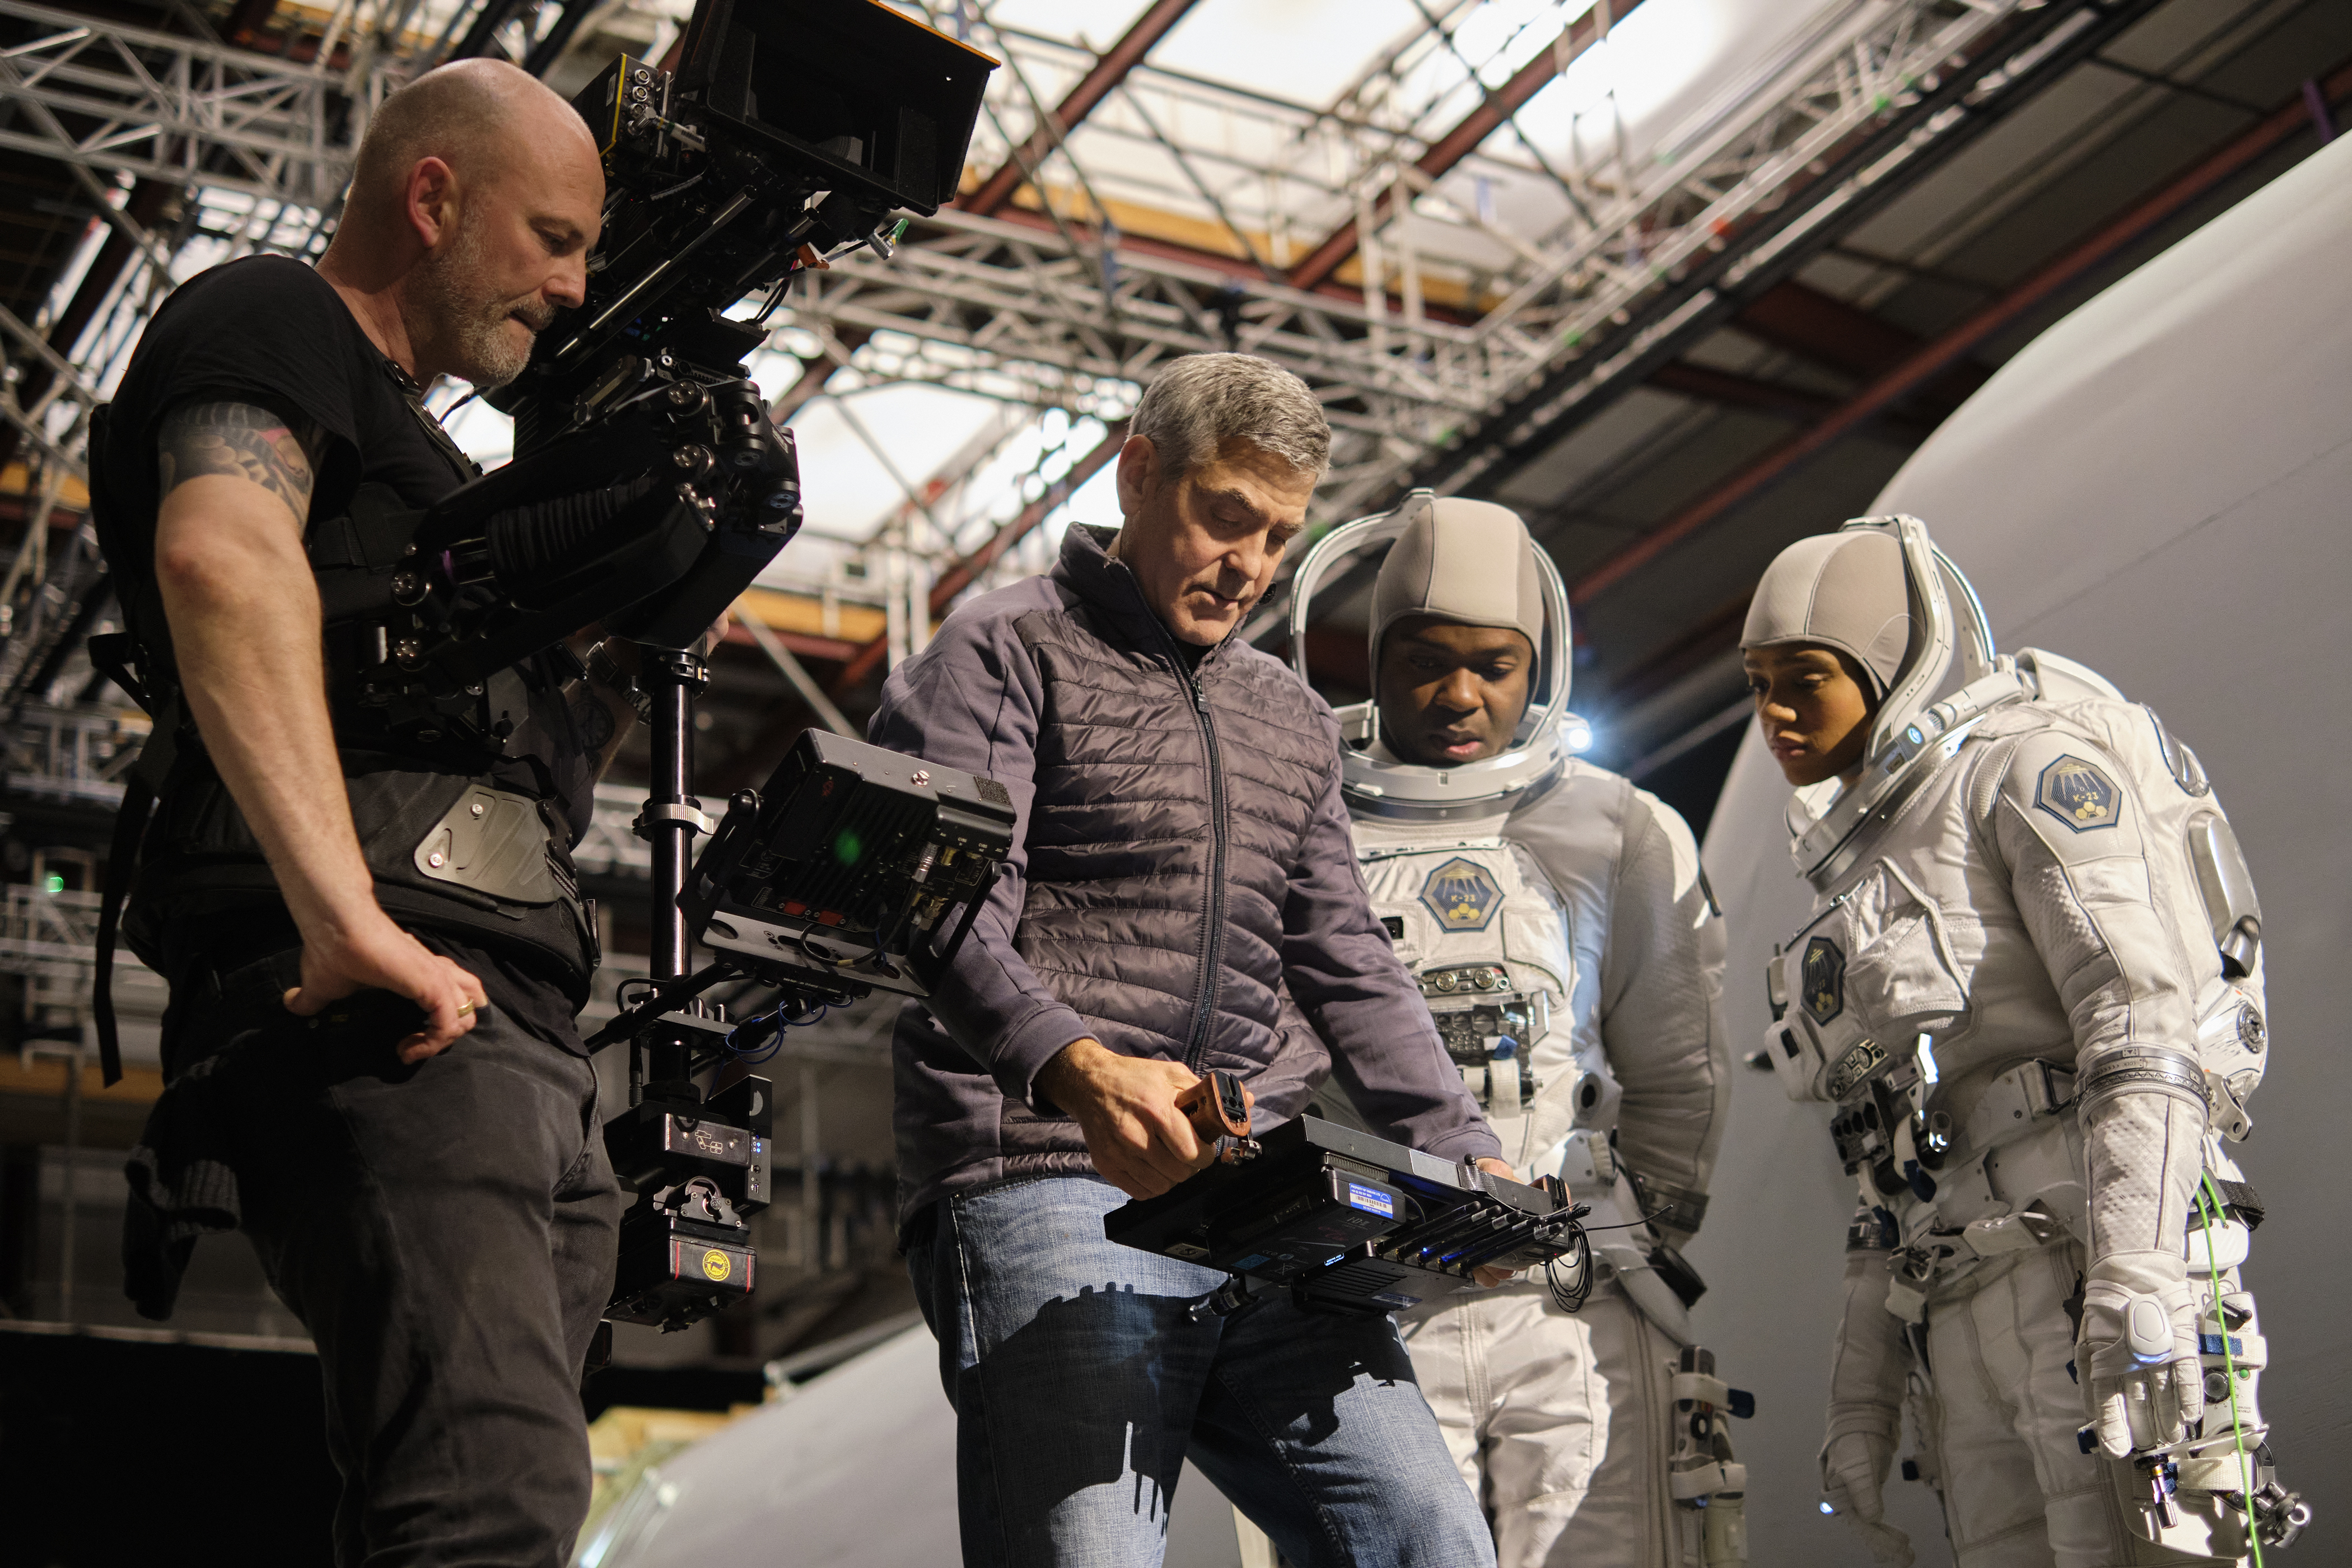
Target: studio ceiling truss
point(1039, 304)
point(105, 96)
point(1653, 253)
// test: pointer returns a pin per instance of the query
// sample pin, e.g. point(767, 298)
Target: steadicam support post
point(822, 888)
point(701, 1165)
point(659, 1055)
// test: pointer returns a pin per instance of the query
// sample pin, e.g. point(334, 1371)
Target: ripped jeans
point(1080, 1386)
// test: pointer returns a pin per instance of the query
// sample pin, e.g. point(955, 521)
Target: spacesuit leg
point(1983, 1356)
point(1449, 1339)
point(1629, 1516)
point(2019, 1492)
point(1552, 1429)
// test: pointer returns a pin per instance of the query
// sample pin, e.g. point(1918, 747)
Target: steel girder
point(1847, 110)
point(177, 108)
point(1653, 258)
point(1923, 84)
point(1007, 301)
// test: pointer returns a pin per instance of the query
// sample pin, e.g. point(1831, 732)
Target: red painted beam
point(1458, 143)
point(1109, 71)
point(960, 576)
point(1939, 354)
point(1239, 269)
point(1802, 319)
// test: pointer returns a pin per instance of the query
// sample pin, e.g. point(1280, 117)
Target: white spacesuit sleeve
point(1661, 1008)
point(2069, 829)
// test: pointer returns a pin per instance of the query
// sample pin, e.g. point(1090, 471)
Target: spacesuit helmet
point(1879, 591)
point(1843, 591)
point(1470, 563)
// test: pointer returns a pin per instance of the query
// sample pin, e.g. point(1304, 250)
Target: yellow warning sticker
point(715, 1265)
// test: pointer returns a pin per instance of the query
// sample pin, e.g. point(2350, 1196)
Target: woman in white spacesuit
point(2032, 988)
point(1564, 939)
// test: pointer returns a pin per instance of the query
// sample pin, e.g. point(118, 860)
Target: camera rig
point(1350, 1224)
point(650, 487)
point(856, 869)
point(648, 490)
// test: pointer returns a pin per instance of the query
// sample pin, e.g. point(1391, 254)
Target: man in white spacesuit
point(2032, 985)
point(1564, 937)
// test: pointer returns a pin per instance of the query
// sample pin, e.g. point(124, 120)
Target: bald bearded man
point(373, 1071)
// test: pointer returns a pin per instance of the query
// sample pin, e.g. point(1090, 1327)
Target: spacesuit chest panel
point(1466, 903)
point(1881, 964)
point(1485, 932)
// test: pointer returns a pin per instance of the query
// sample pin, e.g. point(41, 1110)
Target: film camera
point(649, 488)
point(1348, 1222)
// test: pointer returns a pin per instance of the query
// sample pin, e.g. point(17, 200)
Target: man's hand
point(1126, 1106)
point(1490, 1278)
point(381, 956)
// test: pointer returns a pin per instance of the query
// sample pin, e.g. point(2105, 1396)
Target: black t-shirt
point(269, 331)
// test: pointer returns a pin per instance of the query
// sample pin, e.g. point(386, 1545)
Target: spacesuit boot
point(1576, 1406)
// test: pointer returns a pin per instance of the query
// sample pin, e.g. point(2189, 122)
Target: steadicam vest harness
point(451, 847)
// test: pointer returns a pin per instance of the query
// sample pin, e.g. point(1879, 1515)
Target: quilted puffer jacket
point(1181, 852)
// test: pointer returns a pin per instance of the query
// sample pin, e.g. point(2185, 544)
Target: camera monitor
point(853, 87)
point(856, 868)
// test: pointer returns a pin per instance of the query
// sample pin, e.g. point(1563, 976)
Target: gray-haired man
point(1181, 854)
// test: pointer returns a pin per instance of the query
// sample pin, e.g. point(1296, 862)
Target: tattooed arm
point(244, 612)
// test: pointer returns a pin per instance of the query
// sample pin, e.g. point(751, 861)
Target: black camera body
point(650, 487)
point(791, 130)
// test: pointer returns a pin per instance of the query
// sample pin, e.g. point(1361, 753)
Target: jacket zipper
point(1205, 985)
point(1212, 942)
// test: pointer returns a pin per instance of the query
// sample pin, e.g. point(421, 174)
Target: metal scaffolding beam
point(1496, 107)
point(964, 573)
point(1108, 72)
point(1869, 92)
point(108, 98)
point(1880, 95)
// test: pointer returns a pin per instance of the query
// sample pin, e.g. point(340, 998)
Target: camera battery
point(674, 1269)
point(1316, 1220)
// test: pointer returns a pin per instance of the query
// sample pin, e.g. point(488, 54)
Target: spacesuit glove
point(1869, 1376)
point(1854, 1467)
point(2137, 1351)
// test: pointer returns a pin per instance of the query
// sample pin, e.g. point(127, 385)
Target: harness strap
point(121, 865)
point(140, 791)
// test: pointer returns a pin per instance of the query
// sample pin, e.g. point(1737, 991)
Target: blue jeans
point(1080, 1385)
